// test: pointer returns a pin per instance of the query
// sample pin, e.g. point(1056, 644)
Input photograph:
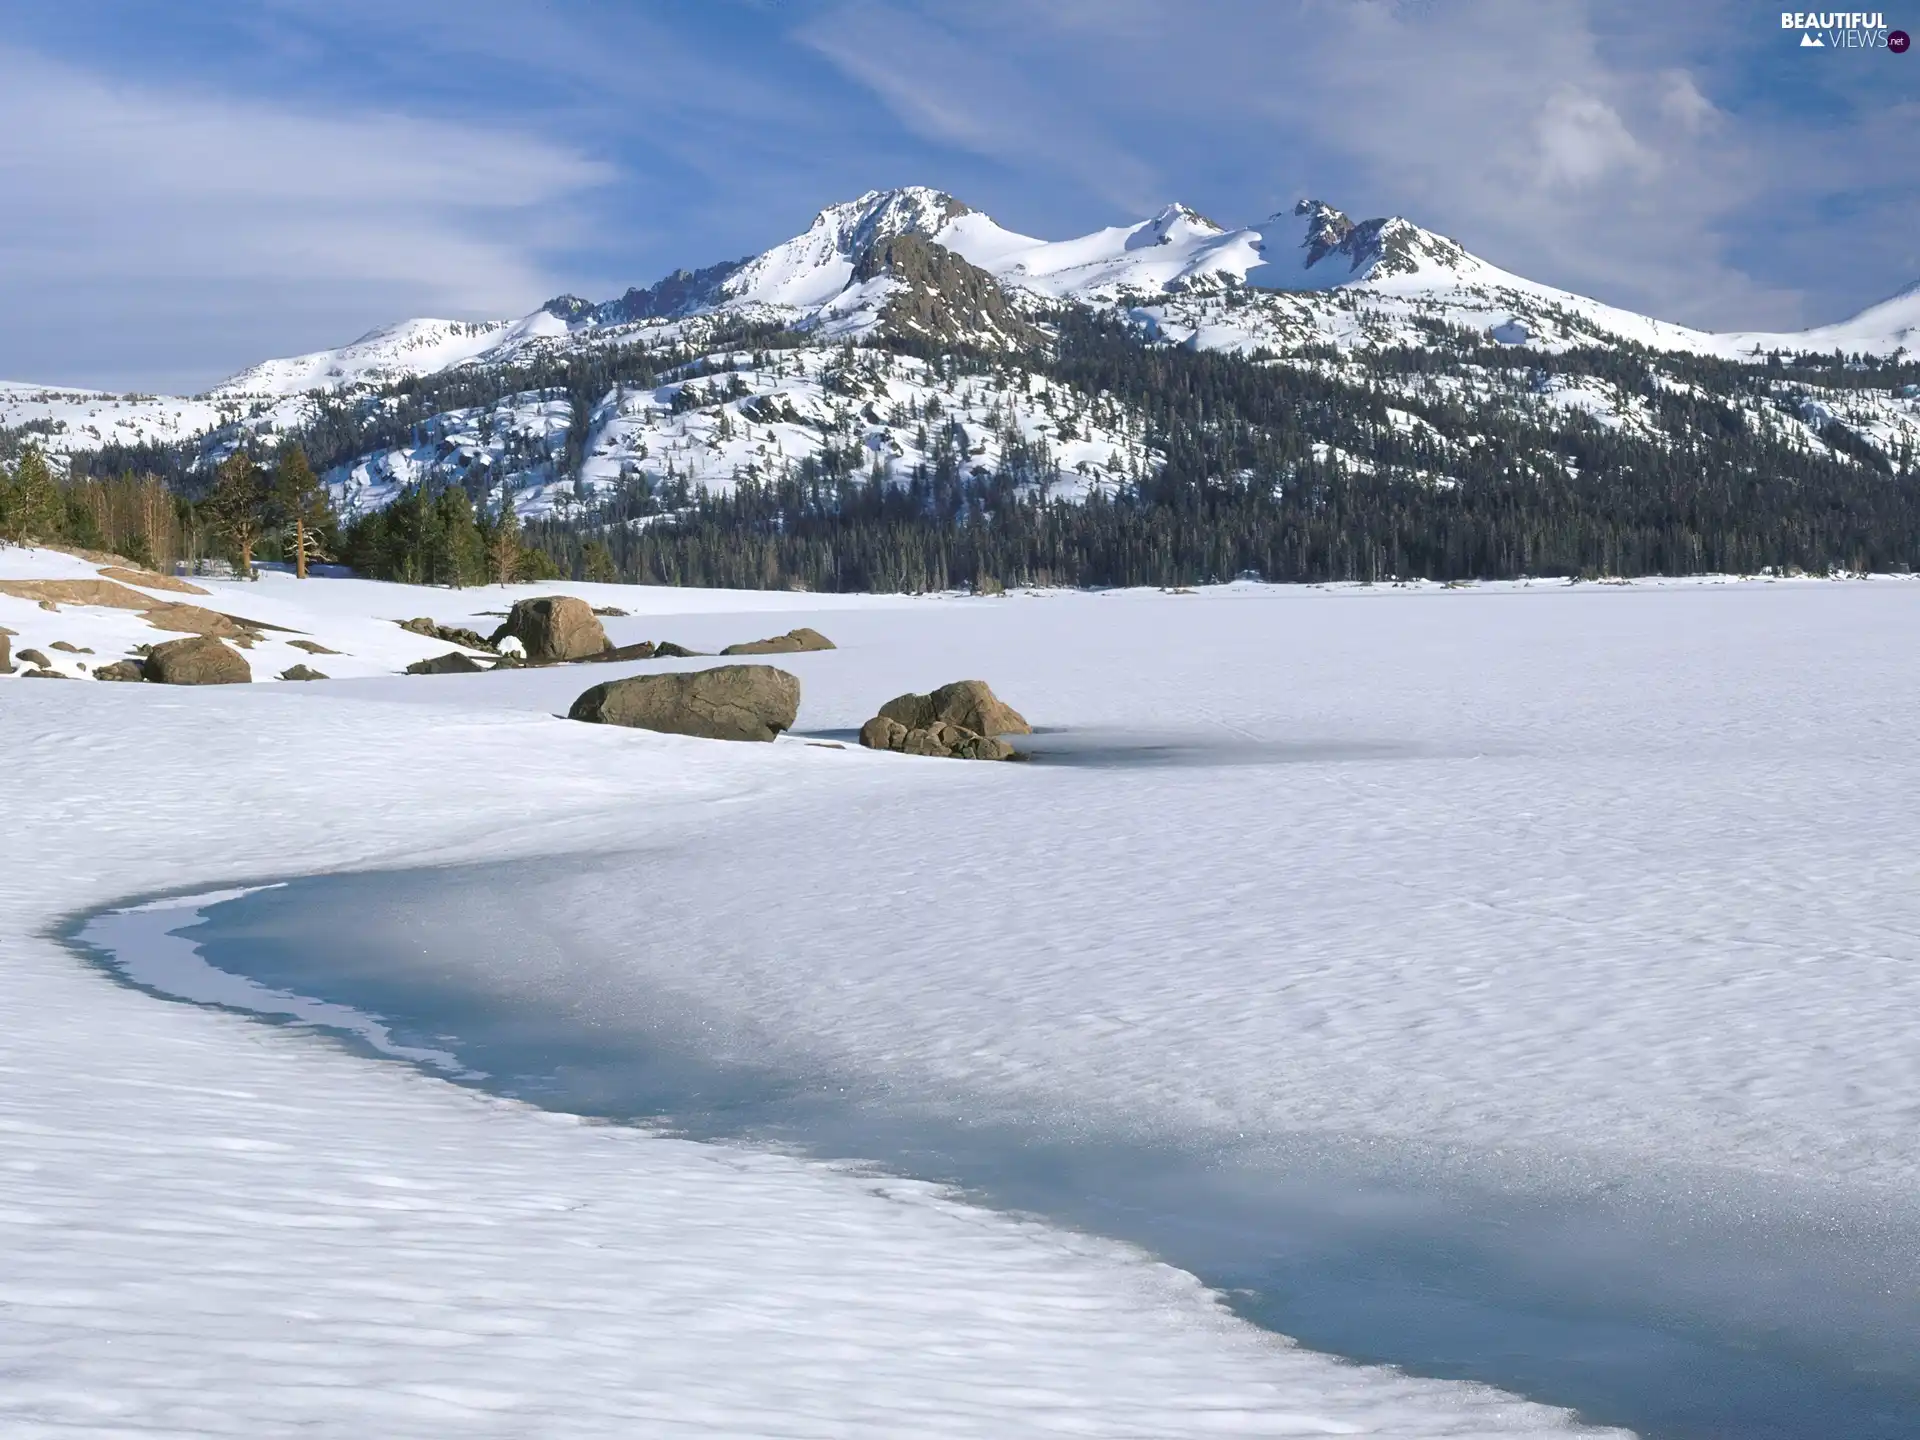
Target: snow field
point(211, 1227)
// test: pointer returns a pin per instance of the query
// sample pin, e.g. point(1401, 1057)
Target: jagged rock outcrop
point(729, 702)
point(301, 672)
point(553, 628)
point(794, 642)
point(197, 660)
point(121, 671)
point(941, 298)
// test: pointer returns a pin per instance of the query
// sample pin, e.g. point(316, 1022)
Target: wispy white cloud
point(1618, 150)
point(144, 193)
point(965, 85)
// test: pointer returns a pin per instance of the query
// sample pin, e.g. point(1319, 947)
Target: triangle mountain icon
point(1812, 42)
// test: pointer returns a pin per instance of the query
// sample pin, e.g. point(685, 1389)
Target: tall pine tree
point(238, 507)
point(303, 505)
point(30, 503)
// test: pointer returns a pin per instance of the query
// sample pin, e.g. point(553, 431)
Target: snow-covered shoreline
point(209, 1229)
point(1628, 868)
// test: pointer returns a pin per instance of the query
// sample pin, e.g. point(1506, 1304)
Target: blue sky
point(185, 189)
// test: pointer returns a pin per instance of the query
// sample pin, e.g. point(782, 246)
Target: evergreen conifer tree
point(303, 504)
point(30, 504)
point(238, 507)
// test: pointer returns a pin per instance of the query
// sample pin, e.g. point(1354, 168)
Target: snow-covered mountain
point(917, 268)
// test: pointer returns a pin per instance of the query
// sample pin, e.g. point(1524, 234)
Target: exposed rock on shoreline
point(961, 720)
point(791, 643)
point(729, 702)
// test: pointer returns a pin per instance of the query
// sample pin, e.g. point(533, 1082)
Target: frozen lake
point(1514, 983)
point(1622, 1306)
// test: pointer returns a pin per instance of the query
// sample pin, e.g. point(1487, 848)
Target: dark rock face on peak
point(1373, 249)
point(681, 293)
point(941, 297)
point(570, 308)
point(1327, 229)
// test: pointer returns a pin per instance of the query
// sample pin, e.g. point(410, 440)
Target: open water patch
point(1650, 1316)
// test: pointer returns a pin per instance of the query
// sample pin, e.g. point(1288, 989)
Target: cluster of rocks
point(452, 634)
point(962, 721)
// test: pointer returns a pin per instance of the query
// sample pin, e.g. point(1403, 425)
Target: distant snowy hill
point(915, 269)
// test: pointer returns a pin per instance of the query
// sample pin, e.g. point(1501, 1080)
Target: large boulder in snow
point(968, 704)
point(730, 702)
point(554, 627)
point(197, 660)
point(6, 653)
point(791, 643)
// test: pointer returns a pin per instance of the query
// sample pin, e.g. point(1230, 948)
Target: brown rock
point(301, 672)
point(612, 610)
point(791, 643)
point(729, 702)
point(6, 652)
point(452, 634)
point(970, 704)
point(939, 738)
point(667, 650)
point(554, 627)
point(924, 742)
point(880, 733)
point(197, 660)
point(151, 580)
point(452, 663)
point(642, 651)
point(312, 647)
point(35, 657)
point(45, 675)
point(70, 647)
point(78, 592)
point(121, 670)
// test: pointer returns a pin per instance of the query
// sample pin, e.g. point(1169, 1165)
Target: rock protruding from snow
point(454, 662)
point(554, 628)
point(197, 660)
point(730, 702)
point(970, 704)
point(793, 642)
point(940, 740)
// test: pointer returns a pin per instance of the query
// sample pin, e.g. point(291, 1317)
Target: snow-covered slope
point(916, 264)
point(413, 347)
